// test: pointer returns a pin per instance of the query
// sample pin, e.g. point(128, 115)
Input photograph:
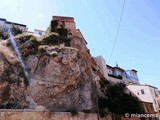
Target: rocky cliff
point(62, 78)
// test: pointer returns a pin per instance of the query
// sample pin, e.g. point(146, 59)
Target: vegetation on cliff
point(14, 29)
point(115, 99)
point(57, 35)
point(3, 34)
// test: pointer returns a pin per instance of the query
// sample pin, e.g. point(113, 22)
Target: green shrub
point(61, 31)
point(41, 49)
point(23, 38)
point(116, 100)
point(33, 39)
point(35, 43)
point(3, 34)
point(53, 25)
point(28, 44)
point(16, 64)
point(16, 30)
point(8, 72)
point(52, 39)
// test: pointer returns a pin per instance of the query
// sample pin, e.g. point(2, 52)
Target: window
point(138, 93)
point(142, 91)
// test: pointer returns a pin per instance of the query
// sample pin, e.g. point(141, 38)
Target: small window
point(138, 93)
point(142, 91)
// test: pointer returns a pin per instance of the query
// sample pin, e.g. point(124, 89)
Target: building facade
point(121, 74)
point(4, 24)
point(116, 74)
point(38, 32)
point(146, 93)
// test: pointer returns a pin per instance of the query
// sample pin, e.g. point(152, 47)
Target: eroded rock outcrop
point(12, 80)
point(62, 78)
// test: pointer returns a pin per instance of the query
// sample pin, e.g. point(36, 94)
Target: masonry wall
point(136, 89)
point(44, 115)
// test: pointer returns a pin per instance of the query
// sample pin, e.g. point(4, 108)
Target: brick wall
point(61, 18)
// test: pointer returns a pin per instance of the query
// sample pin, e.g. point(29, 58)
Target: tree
point(62, 31)
point(116, 100)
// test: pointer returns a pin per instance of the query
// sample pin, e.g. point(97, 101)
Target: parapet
point(61, 18)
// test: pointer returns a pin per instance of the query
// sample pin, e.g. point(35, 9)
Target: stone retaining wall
point(15, 114)
point(44, 115)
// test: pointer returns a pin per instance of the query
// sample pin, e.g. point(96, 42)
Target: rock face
point(62, 78)
point(12, 85)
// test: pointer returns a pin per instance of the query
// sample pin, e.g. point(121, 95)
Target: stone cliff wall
point(61, 82)
point(62, 78)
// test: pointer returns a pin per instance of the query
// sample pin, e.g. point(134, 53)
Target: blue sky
point(138, 43)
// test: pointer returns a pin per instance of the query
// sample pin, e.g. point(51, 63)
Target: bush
point(3, 34)
point(53, 25)
point(28, 44)
point(52, 39)
point(16, 30)
point(116, 100)
point(23, 38)
point(61, 31)
point(41, 49)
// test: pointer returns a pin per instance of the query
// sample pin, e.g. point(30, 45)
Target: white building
point(146, 93)
point(4, 24)
point(38, 33)
point(116, 74)
point(2, 21)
